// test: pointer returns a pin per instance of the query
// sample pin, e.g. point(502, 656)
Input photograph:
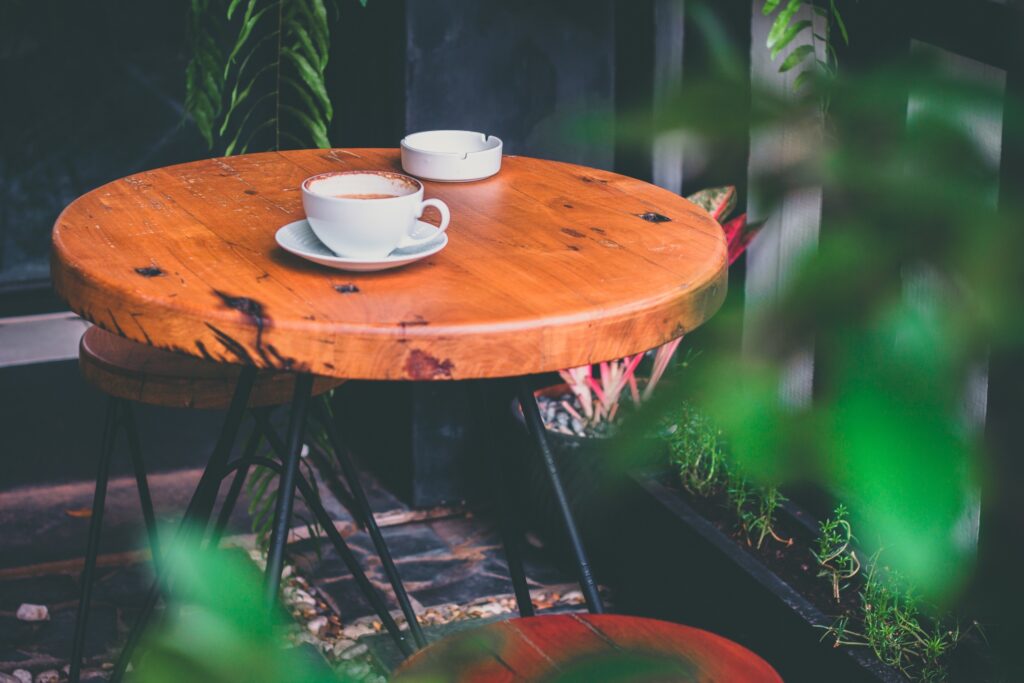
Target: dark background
point(95, 91)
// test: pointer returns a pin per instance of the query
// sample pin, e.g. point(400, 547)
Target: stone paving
point(450, 559)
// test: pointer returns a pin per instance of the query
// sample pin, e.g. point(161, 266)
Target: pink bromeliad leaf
point(718, 201)
point(738, 235)
point(599, 388)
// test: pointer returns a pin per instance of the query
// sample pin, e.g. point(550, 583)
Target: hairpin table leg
point(363, 509)
point(93, 544)
point(286, 486)
point(141, 482)
point(337, 540)
point(199, 508)
point(536, 427)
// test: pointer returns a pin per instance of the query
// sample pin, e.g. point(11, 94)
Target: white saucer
point(298, 238)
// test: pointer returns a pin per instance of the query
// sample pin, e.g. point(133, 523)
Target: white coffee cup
point(367, 214)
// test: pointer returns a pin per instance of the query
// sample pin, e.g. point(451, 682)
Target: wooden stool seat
point(136, 372)
point(536, 648)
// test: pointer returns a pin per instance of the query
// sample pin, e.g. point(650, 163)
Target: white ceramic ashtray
point(451, 155)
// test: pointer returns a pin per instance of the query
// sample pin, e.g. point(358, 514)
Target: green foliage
point(786, 31)
point(835, 555)
point(204, 75)
point(261, 487)
point(255, 79)
point(897, 630)
point(755, 506)
point(697, 448)
point(885, 433)
point(224, 631)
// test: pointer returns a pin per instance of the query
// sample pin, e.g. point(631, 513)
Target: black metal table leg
point(139, 466)
point(93, 544)
point(536, 427)
point(199, 508)
point(512, 533)
point(231, 499)
point(286, 486)
point(337, 540)
point(350, 560)
point(351, 473)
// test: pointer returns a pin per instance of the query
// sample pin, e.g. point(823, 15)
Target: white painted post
point(791, 229)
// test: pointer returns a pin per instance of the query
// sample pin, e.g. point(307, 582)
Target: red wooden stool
point(143, 374)
point(585, 647)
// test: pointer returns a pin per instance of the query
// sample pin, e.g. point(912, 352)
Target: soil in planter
point(795, 565)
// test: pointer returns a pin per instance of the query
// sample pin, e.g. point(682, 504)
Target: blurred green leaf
point(786, 38)
point(799, 54)
point(220, 629)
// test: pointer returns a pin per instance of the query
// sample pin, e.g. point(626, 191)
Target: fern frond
point(267, 87)
point(797, 56)
point(787, 37)
point(782, 21)
point(786, 29)
point(204, 81)
point(840, 24)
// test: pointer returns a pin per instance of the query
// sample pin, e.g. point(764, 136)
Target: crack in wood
point(253, 310)
point(149, 271)
point(284, 362)
point(135, 319)
point(417, 321)
point(202, 350)
point(346, 288)
point(232, 346)
point(652, 217)
point(117, 327)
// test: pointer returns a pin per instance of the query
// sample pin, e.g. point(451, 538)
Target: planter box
point(681, 567)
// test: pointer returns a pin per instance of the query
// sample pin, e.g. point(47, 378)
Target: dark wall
point(523, 71)
point(91, 92)
point(94, 91)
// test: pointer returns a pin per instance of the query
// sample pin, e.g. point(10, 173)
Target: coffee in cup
point(367, 214)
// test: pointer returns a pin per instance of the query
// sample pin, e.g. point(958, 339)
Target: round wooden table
point(549, 266)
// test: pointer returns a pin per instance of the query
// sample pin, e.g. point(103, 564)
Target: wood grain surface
point(585, 648)
point(141, 373)
point(549, 265)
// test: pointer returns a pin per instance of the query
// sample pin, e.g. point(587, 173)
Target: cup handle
point(446, 217)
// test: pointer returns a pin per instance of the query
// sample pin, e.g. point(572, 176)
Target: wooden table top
point(549, 265)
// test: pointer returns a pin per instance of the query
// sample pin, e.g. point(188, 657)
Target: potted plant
point(585, 410)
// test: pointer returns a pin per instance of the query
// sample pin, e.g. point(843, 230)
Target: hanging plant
point(255, 79)
point(787, 30)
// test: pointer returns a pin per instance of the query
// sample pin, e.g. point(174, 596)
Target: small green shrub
point(698, 451)
point(755, 508)
point(897, 630)
point(837, 560)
